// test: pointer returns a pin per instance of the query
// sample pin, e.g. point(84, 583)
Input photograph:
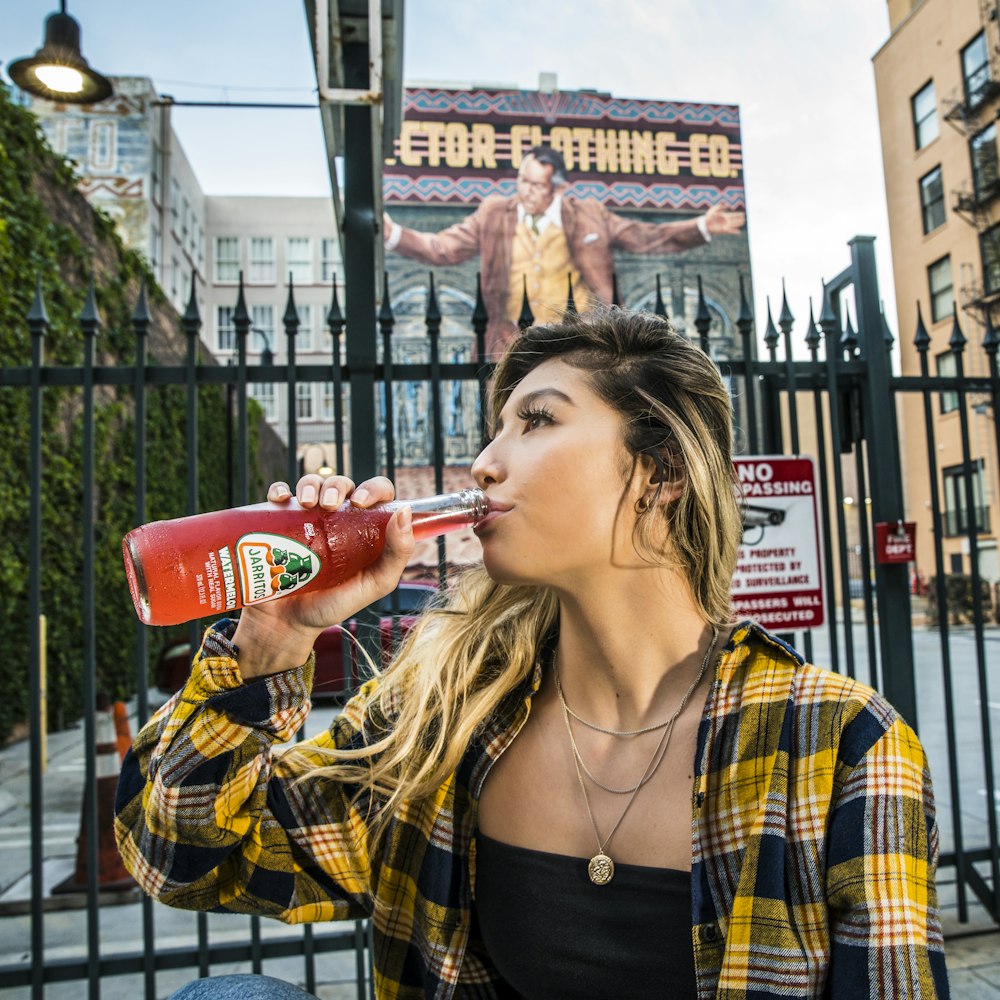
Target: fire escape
point(972, 112)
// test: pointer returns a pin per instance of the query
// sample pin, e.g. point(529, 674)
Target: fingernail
point(283, 492)
point(405, 518)
point(331, 496)
point(360, 496)
point(309, 494)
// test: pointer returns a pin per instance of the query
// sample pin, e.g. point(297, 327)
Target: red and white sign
point(778, 580)
point(896, 543)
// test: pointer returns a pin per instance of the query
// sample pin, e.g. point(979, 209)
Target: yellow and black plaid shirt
point(814, 843)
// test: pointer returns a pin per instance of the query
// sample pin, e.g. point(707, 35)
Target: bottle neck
point(446, 512)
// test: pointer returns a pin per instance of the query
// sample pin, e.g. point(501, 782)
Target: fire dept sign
point(778, 580)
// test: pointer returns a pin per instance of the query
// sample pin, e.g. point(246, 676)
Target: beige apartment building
point(938, 84)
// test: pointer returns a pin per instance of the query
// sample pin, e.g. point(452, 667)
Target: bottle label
point(273, 565)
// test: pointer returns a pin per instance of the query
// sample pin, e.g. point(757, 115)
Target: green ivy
point(35, 247)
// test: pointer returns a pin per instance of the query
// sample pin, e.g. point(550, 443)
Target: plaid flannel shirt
point(814, 843)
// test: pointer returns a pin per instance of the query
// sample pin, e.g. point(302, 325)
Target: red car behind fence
point(340, 667)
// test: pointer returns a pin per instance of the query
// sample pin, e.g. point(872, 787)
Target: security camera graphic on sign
point(758, 519)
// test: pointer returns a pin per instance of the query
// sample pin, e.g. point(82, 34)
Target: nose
point(487, 469)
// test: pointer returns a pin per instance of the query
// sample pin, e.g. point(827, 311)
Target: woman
point(577, 779)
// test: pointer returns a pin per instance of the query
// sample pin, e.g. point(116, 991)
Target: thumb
point(399, 540)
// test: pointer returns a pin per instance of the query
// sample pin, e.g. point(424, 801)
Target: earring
point(643, 504)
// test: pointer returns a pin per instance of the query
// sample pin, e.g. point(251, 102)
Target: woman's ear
point(659, 471)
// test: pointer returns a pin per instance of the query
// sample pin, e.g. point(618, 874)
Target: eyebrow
point(530, 398)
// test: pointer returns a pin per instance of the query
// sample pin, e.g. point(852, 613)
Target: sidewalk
point(974, 966)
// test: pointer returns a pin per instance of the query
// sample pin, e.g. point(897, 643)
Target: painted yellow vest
point(545, 261)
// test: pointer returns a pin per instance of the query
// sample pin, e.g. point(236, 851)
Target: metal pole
point(38, 324)
point(89, 325)
point(891, 581)
point(360, 228)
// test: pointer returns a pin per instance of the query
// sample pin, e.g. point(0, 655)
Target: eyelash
point(535, 413)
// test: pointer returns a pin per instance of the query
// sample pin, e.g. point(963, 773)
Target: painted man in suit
point(536, 238)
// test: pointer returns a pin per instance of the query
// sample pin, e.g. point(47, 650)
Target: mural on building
point(557, 183)
point(538, 192)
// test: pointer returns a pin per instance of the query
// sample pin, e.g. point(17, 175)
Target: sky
point(799, 70)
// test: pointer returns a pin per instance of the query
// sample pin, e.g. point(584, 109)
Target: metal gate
point(840, 402)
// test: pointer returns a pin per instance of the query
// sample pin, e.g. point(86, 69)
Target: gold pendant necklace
point(601, 868)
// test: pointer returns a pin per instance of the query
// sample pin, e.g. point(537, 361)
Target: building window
point(261, 260)
point(304, 401)
point(175, 203)
point(947, 369)
point(941, 289)
point(956, 509)
point(263, 392)
point(983, 148)
point(154, 247)
point(330, 261)
point(305, 339)
point(262, 318)
point(56, 133)
point(975, 69)
point(925, 121)
point(300, 264)
point(932, 200)
point(989, 249)
point(326, 401)
point(227, 259)
point(185, 220)
point(102, 146)
point(225, 331)
point(175, 275)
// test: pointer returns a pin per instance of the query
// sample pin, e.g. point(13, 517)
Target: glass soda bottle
point(214, 563)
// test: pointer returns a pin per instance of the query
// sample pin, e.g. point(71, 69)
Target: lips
point(497, 511)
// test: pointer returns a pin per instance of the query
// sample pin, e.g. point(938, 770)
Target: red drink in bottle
point(211, 564)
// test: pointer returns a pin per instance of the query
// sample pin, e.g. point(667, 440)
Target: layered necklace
point(601, 868)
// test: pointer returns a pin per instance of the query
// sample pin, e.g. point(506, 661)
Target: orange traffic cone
point(122, 732)
point(111, 873)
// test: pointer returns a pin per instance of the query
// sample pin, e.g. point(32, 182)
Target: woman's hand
point(279, 635)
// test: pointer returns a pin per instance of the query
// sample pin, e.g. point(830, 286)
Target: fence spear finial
point(785, 319)
point(90, 321)
point(140, 315)
point(813, 338)
point(886, 332)
point(38, 317)
point(746, 313)
point(660, 308)
point(849, 338)
point(480, 317)
point(335, 318)
point(386, 317)
point(527, 317)
point(921, 339)
point(770, 332)
point(291, 316)
point(433, 314)
point(191, 313)
point(990, 339)
point(241, 314)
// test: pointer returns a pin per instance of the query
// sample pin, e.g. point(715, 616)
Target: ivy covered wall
point(48, 231)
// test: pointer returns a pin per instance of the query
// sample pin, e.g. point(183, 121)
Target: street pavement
point(973, 947)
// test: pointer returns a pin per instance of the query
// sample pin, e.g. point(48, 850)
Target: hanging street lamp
point(58, 71)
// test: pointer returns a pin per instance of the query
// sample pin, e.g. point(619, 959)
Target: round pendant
point(601, 869)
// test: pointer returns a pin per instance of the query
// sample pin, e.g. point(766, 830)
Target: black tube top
point(554, 935)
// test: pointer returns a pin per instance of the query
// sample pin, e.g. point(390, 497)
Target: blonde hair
point(463, 658)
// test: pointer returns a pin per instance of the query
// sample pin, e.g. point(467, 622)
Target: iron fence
point(842, 407)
